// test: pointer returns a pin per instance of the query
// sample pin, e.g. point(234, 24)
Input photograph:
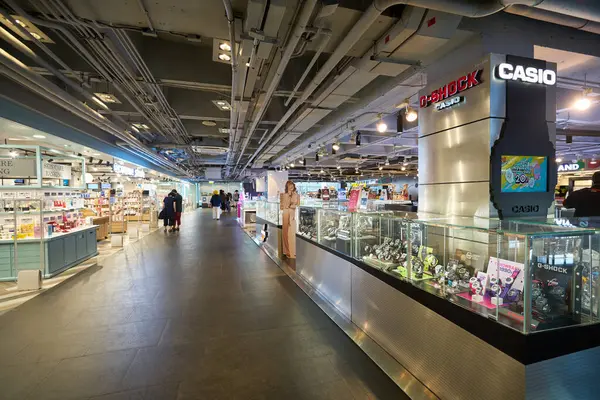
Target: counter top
point(54, 236)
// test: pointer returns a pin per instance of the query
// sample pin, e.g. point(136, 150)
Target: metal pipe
point(460, 7)
point(146, 14)
point(555, 18)
point(324, 42)
point(299, 29)
point(234, 69)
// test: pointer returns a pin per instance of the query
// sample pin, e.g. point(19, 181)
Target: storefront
point(60, 202)
point(479, 294)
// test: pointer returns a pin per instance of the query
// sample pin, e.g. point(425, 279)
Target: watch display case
point(527, 275)
point(269, 211)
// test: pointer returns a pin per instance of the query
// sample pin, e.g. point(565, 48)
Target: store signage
point(452, 88)
point(17, 167)
point(450, 103)
point(570, 167)
point(124, 170)
point(526, 209)
point(55, 171)
point(510, 72)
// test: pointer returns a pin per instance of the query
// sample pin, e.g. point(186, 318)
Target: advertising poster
point(502, 269)
point(354, 197)
point(524, 174)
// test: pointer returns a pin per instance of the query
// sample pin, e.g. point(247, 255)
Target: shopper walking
point(223, 197)
point(178, 208)
point(229, 200)
point(168, 212)
point(215, 203)
point(288, 202)
point(236, 198)
point(586, 202)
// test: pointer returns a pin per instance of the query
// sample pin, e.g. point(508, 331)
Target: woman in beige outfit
point(288, 203)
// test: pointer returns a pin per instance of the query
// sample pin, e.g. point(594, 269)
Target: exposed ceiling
point(167, 95)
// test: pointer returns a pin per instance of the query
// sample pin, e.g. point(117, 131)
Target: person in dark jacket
point(223, 200)
point(215, 203)
point(169, 212)
point(178, 208)
point(586, 202)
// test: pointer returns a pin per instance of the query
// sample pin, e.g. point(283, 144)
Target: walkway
point(203, 314)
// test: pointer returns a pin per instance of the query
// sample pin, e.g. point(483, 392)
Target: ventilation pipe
point(299, 29)
point(234, 50)
point(466, 8)
point(555, 18)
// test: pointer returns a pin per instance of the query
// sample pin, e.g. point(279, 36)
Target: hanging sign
point(571, 167)
point(128, 171)
point(55, 171)
point(17, 167)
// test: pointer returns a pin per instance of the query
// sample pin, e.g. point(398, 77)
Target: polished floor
point(202, 314)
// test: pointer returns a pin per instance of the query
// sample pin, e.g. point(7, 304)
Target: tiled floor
point(202, 314)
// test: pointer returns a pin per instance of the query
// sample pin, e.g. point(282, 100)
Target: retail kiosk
point(42, 226)
point(479, 295)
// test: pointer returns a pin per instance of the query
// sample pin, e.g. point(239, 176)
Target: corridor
point(203, 314)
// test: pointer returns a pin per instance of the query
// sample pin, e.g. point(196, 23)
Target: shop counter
point(54, 254)
point(429, 320)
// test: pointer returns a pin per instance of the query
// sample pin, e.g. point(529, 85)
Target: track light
point(584, 102)
point(301, 161)
point(225, 46)
point(292, 165)
point(559, 160)
point(336, 146)
point(381, 125)
point(411, 115)
point(338, 167)
point(224, 57)
point(380, 167)
point(403, 168)
point(322, 171)
point(387, 161)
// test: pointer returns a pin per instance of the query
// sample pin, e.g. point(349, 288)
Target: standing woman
point(288, 203)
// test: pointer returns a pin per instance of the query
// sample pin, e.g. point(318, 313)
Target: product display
point(477, 268)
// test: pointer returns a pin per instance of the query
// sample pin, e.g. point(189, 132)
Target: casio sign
point(449, 103)
point(525, 209)
point(526, 74)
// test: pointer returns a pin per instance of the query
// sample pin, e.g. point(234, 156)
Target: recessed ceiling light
point(226, 108)
point(39, 136)
point(221, 103)
point(225, 46)
point(19, 22)
point(224, 57)
point(209, 123)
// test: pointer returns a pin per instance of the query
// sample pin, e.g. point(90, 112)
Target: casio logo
point(510, 72)
point(525, 209)
point(554, 268)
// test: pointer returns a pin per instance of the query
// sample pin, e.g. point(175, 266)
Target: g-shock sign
point(452, 88)
point(510, 72)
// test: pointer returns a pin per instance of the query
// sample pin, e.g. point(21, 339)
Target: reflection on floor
point(200, 314)
point(11, 297)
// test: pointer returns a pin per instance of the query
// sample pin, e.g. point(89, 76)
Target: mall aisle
point(204, 314)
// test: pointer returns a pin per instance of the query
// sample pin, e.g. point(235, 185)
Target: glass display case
point(272, 212)
point(527, 275)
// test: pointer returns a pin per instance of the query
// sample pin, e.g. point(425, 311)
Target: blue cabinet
point(70, 249)
point(81, 244)
point(56, 255)
point(92, 243)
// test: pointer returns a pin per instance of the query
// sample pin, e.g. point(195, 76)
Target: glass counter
point(527, 275)
point(269, 211)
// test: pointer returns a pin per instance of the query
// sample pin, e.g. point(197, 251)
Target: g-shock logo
point(525, 209)
point(554, 268)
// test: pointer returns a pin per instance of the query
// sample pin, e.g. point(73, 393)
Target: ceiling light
point(223, 130)
point(35, 36)
point(411, 115)
point(209, 123)
point(107, 97)
point(338, 167)
point(301, 161)
point(247, 64)
point(292, 165)
point(13, 154)
point(336, 146)
point(139, 125)
point(381, 126)
point(322, 171)
point(405, 164)
point(387, 161)
point(39, 136)
point(380, 167)
point(226, 108)
point(403, 168)
point(67, 145)
point(225, 47)
point(19, 22)
point(558, 160)
point(582, 103)
point(224, 57)
point(221, 103)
